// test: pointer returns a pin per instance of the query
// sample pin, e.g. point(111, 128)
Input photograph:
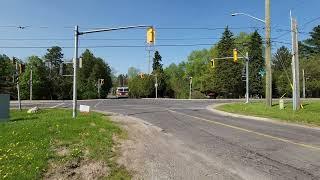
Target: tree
point(157, 59)
point(122, 80)
point(282, 59)
point(196, 66)
point(314, 41)
point(158, 72)
point(282, 72)
point(92, 70)
point(177, 81)
point(133, 72)
point(40, 81)
point(141, 87)
point(228, 81)
point(242, 41)
point(53, 59)
point(256, 64)
point(312, 74)
point(7, 69)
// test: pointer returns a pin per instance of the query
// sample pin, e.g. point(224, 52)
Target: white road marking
point(57, 105)
point(98, 103)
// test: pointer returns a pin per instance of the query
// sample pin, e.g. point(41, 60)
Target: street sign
point(4, 107)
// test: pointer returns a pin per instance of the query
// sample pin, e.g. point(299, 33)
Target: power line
point(105, 46)
point(308, 22)
point(104, 39)
point(112, 46)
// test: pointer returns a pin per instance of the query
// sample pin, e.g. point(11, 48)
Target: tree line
point(221, 79)
point(51, 76)
point(225, 78)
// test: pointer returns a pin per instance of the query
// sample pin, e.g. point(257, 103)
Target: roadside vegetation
point(310, 113)
point(50, 144)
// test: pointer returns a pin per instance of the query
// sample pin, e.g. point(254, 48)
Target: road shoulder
point(152, 153)
point(213, 108)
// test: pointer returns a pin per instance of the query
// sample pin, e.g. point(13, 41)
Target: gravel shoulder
point(151, 153)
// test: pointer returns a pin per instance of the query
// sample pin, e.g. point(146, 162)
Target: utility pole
point(75, 58)
point(31, 83)
point(156, 86)
point(190, 88)
point(268, 55)
point(149, 61)
point(303, 84)
point(100, 83)
point(295, 65)
point(18, 86)
point(99, 86)
point(247, 77)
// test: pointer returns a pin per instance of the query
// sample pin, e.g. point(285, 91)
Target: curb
point(213, 109)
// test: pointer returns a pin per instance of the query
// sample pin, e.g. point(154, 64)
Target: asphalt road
point(249, 148)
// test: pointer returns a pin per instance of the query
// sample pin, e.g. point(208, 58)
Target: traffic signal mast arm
point(235, 56)
point(114, 29)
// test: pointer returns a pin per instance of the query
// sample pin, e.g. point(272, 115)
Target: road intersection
point(246, 147)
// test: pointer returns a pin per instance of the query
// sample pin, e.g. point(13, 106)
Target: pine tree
point(256, 64)
point(158, 71)
point(228, 81)
point(157, 66)
point(281, 59)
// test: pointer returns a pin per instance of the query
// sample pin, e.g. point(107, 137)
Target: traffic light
point(141, 75)
point(151, 33)
point(212, 63)
point(101, 81)
point(235, 55)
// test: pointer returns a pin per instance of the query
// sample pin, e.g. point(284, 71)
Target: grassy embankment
point(30, 144)
point(310, 114)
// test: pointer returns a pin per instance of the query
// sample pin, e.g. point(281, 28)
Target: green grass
point(28, 142)
point(310, 114)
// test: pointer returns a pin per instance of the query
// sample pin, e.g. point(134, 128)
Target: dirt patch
point(153, 153)
point(62, 151)
point(77, 169)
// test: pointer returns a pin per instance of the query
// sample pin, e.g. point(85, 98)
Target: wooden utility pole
point(31, 83)
point(268, 55)
point(295, 66)
point(303, 84)
point(18, 85)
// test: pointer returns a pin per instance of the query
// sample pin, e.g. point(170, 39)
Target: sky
point(177, 22)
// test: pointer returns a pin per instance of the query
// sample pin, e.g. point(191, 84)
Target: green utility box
point(4, 107)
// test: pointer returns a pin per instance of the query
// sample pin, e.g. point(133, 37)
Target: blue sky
point(55, 20)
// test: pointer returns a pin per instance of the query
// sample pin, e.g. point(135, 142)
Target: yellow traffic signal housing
point(235, 55)
point(141, 75)
point(151, 33)
point(212, 63)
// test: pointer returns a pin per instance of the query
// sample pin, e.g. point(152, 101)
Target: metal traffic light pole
point(246, 57)
point(75, 58)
